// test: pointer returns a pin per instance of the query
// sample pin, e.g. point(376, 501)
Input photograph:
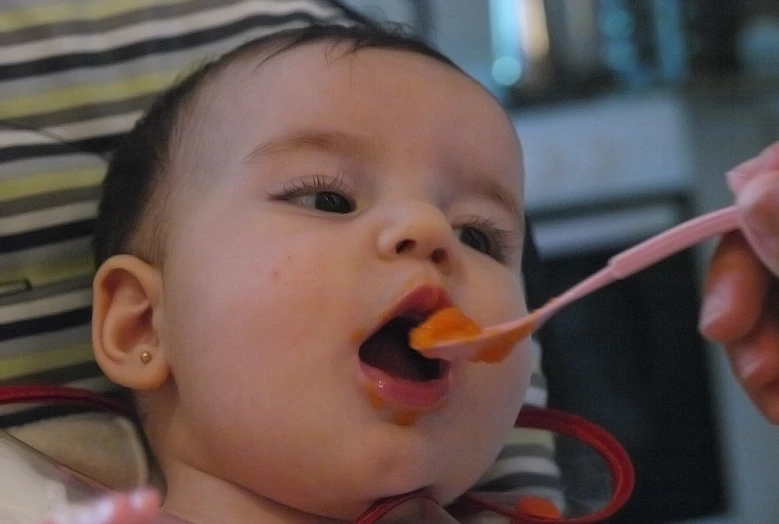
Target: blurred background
point(630, 112)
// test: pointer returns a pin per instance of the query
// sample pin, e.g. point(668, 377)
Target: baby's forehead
point(274, 62)
point(250, 79)
point(276, 66)
point(325, 83)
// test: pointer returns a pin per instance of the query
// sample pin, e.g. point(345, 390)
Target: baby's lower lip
point(399, 393)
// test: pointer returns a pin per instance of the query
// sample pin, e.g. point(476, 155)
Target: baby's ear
point(126, 315)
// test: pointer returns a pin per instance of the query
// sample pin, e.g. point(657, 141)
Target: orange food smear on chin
point(405, 417)
point(446, 325)
point(402, 416)
point(374, 398)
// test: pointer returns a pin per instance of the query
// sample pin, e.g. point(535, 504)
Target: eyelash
point(314, 184)
point(502, 240)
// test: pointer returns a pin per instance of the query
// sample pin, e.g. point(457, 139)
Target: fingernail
point(138, 499)
point(760, 201)
point(748, 363)
point(738, 176)
point(715, 305)
point(100, 512)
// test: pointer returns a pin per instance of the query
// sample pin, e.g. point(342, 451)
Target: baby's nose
point(419, 231)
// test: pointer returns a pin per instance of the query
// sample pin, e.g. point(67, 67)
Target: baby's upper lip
point(418, 304)
point(421, 302)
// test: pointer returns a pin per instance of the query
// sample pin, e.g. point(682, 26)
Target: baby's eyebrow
point(493, 190)
point(328, 141)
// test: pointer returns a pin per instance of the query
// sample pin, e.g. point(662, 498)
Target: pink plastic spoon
point(494, 342)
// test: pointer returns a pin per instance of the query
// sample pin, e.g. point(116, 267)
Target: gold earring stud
point(145, 357)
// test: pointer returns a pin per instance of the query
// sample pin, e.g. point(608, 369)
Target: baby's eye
point(474, 238)
point(486, 237)
point(319, 192)
point(327, 201)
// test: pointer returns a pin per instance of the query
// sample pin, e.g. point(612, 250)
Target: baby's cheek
point(483, 422)
point(298, 282)
point(503, 385)
point(515, 371)
point(495, 300)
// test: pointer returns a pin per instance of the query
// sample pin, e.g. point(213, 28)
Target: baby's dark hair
point(136, 185)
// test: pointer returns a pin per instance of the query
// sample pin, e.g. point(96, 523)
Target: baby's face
point(343, 189)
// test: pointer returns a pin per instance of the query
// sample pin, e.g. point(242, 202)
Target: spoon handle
point(495, 342)
point(592, 283)
point(643, 255)
point(673, 240)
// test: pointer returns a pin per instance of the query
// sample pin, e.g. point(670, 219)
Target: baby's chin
point(349, 511)
point(444, 490)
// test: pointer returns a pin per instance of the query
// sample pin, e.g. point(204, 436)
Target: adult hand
point(741, 292)
point(138, 507)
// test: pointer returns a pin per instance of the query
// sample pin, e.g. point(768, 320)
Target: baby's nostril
point(404, 245)
point(438, 256)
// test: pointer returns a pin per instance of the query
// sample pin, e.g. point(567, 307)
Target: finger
point(145, 502)
point(734, 291)
point(139, 507)
point(759, 203)
point(101, 511)
point(755, 361)
point(768, 159)
point(767, 401)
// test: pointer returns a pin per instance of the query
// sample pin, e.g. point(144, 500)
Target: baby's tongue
point(388, 351)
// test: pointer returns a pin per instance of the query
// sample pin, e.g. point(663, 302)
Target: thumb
point(759, 204)
point(740, 175)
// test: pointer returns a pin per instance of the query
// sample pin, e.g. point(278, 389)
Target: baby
point(268, 235)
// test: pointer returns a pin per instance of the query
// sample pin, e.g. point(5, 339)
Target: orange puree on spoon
point(499, 349)
point(450, 325)
point(445, 325)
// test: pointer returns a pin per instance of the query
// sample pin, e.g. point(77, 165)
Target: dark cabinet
point(630, 359)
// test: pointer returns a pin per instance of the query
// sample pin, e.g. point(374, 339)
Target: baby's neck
point(201, 498)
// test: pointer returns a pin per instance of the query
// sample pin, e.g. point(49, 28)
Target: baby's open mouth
point(388, 350)
point(397, 377)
